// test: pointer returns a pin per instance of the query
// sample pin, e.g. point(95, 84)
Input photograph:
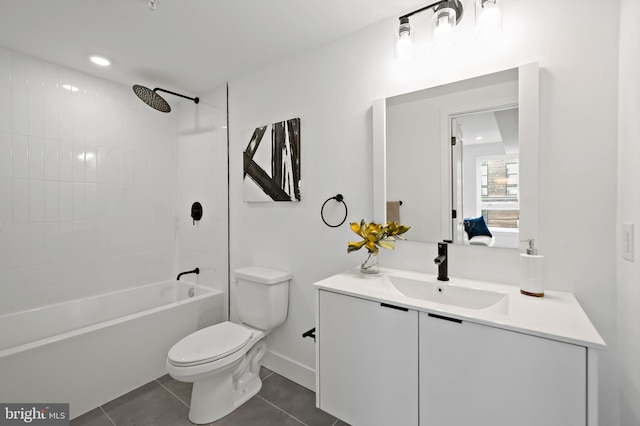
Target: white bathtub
point(87, 352)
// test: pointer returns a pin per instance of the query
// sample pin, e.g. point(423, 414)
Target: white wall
point(87, 186)
point(202, 177)
point(629, 212)
point(331, 89)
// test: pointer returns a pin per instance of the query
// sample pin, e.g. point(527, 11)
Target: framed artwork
point(272, 171)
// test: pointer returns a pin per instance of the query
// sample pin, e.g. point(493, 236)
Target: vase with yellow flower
point(374, 236)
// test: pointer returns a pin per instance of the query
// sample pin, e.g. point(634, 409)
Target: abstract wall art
point(272, 171)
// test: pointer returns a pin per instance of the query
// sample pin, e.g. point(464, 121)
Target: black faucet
point(195, 271)
point(441, 261)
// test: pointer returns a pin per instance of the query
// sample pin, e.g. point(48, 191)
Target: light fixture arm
point(196, 99)
point(454, 4)
point(408, 15)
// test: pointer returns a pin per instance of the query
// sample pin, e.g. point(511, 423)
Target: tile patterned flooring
point(165, 402)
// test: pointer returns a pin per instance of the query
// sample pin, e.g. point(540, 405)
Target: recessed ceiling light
point(99, 60)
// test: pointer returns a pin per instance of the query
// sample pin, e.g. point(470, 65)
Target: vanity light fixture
point(488, 19)
point(405, 40)
point(446, 16)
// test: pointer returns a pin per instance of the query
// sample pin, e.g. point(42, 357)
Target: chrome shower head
point(154, 100)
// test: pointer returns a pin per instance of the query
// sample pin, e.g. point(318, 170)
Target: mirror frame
point(528, 121)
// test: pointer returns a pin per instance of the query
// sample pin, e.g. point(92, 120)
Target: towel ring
point(340, 199)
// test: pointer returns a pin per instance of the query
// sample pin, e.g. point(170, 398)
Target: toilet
point(223, 360)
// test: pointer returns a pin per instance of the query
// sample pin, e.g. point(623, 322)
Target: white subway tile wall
point(87, 186)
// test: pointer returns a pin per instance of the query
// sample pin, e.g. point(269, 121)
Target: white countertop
point(557, 315)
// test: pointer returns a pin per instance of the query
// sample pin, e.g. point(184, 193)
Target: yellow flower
point(375, 235)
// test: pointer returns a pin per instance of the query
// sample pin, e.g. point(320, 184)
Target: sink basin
point(438, 292)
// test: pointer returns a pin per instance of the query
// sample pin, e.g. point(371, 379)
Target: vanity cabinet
point(473, 374)
point(379, 364)
point(367, 361)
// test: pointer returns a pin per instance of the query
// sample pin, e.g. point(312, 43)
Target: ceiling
point(187, 45)
point(492, 126)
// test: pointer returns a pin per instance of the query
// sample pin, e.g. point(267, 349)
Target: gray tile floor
point(165, 402)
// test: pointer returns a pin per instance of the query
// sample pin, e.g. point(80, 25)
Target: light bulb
point(404, 41)
point(444, 21)
point(488, 19)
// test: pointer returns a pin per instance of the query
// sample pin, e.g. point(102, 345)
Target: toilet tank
point(262, 296)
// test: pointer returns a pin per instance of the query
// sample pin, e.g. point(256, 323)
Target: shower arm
point(196, 99)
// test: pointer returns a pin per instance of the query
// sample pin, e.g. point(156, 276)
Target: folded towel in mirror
point(481, 240)
point(393, 211)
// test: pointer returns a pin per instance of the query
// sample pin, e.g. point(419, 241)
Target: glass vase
point(369, 264)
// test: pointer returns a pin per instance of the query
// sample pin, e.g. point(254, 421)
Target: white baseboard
point(292, 370)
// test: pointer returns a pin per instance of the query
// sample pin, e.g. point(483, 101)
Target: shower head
point(151, 98)
point(154, 100)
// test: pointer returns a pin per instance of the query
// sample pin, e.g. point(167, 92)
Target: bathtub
point(89, 351)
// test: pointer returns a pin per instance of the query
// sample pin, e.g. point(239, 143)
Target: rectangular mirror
point(459, 161)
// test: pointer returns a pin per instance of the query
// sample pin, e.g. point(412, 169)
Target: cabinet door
point(478, 375)
point(367, 361)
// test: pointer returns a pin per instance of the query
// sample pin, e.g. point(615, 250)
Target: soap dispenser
point(532, 272)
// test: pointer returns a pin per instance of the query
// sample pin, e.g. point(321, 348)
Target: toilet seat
point(209, 344)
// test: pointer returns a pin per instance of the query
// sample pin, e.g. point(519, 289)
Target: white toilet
point(223, 360)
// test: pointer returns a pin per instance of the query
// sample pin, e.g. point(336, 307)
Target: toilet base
point(219, 394)
point(211, 402)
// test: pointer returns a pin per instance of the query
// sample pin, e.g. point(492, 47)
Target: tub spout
point(195, 271)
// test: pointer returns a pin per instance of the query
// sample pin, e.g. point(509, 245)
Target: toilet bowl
point(223, 361)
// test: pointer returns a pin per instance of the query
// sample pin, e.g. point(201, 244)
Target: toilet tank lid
point(261, 274)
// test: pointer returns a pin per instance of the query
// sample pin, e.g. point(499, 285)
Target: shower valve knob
point(196, 212)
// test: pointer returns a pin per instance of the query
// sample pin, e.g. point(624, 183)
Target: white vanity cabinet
point(367, 361)
point(385, 358)
point(473, 374)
